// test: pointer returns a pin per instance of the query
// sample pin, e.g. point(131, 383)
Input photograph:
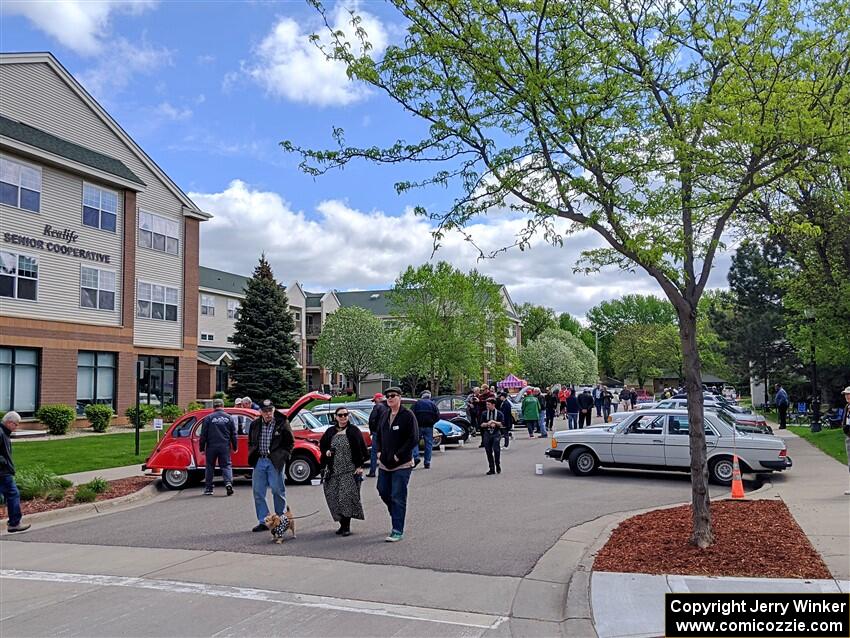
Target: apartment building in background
point(220, 295)
point(98, 253)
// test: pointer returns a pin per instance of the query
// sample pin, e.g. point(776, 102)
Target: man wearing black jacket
point(378, 411)
point(492, 423)
point(270, 444)
point(397, 434)
point(218, 437)
point(585, 407)
point(507, 417)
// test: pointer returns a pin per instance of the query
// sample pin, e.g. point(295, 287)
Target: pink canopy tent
point(512, 382)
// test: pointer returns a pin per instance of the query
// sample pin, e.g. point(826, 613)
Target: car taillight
point(553, 443)
point(783, 453)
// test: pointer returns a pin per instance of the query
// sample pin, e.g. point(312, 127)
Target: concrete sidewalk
point(632, 605)
point(110, 474)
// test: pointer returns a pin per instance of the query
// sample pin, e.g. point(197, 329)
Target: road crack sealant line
point(387, 610)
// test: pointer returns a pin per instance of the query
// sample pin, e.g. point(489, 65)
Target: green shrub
point(55, 494)
point(147, 414)
point(37, 481)
point(98, 485)
point(58, 418)
point(194, 405)
point(100, 416)
point(84, 494)
point(170, 413)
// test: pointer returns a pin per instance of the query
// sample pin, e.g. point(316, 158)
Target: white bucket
point(319, 481)
point(442, 447)
point(538, 469)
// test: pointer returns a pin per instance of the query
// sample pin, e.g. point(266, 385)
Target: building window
point(100, 207)
point(158, 385)
point(232, 309)
point(18, 380)
point(208, 305)
point(230, 339)
point(207, 336)
point(20, 185)
point(18, 276)
point(97, 288)
point(95, 379)
point(159, 233)
point(156, 302)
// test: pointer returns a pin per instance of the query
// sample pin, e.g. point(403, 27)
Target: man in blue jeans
point(379, 409)
point(427, 414)
point(397, 434)
point(8, 488)
point(270, 444)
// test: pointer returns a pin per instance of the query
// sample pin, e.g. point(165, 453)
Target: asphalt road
point(458, 519)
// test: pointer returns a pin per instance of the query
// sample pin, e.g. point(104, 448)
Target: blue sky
point(209, 89)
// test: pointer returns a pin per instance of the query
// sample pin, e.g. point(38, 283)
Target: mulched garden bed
point(120, 487)
point(756, 538)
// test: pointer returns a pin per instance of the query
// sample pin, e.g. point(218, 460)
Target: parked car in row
point(443, 433)
point(179, 456)
point(745, 420)
point(658, 439)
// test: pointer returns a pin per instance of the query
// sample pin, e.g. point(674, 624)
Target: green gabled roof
point(220, 280)
point(37, 138)
point(313, 299)
point(375, 301)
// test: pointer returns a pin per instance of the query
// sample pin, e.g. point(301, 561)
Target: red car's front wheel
point(301, 469)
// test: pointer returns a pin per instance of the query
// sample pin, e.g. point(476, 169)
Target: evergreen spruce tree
point(265, 365)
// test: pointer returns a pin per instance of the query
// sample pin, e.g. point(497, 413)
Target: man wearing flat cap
point(270, 443)
point(397, 435)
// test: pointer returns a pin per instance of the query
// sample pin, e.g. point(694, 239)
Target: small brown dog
point(280, 524)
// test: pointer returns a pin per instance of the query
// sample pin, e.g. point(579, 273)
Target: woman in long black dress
point(343, 455)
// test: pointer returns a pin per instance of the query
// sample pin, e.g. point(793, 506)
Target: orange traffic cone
point(737, 484)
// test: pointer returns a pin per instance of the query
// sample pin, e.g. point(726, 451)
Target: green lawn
point(829, 441)
point(84, 453)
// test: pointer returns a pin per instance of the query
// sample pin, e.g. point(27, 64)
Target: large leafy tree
point(652, 124)
point(353, 342)
point(265, 364)
point(751, 319)
point(454, 323)
point(609, 317)
point(569, 323)
point(535, 319)
point(635, 351)
point(582, 368)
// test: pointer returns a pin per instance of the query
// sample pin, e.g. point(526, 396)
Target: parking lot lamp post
point(809, 314)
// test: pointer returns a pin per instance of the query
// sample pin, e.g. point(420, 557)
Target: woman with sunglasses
point(343, 456)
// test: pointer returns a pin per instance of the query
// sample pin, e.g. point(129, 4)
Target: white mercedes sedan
point(657, 439)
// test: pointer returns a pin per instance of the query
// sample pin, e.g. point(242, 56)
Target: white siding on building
point(36, 95)
point(218, 325)
point(59, 275)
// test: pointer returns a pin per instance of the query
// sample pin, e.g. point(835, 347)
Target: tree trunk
point(356, 384)
point(701, 535)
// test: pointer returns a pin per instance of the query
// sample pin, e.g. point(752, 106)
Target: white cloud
point(170, 112)
point(79, 25)
point(343, 248)
point(289, 65)
point(120, 62)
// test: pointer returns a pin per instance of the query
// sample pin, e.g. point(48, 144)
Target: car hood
point(584, 433)
point(448, 428)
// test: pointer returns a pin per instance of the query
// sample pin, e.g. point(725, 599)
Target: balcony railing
point(313, 330)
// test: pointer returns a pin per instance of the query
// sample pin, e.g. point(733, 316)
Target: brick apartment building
point(98, 253)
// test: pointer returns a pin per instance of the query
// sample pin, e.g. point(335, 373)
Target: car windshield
point(307, 420)
point(727, 418)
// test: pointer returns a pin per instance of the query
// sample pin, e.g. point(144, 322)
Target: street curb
point(89, 510)
point(569, 562)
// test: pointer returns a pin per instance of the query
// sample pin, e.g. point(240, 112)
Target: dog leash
point(305, 515)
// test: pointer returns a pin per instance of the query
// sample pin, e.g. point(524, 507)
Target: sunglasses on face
point(392, 396)
point(342, 415)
